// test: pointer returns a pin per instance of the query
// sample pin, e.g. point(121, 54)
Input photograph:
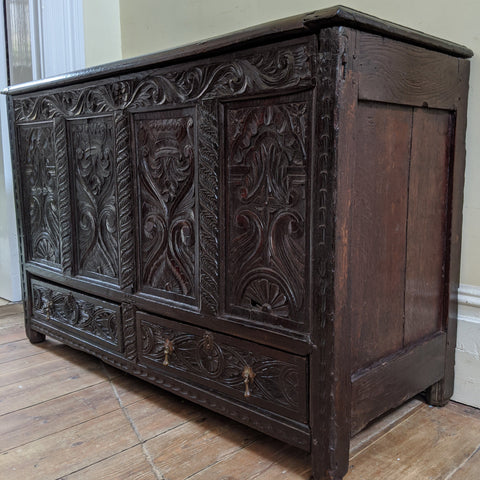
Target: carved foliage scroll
point(267, 152)
point(61, 306)
point(65, 214)
point(93, 158)
point(208, 172)
point(276, 381)
point(39, 175)
point(165, 151)
point(252, 72)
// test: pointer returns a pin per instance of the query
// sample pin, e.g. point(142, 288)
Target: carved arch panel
point(267, 149)
point(166, 164)
point(40, 186)
point(92, 159)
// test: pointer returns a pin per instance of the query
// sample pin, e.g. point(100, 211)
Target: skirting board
point(467, 358)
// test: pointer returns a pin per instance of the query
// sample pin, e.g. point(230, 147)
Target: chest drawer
point(97, 321)
point(251, 373)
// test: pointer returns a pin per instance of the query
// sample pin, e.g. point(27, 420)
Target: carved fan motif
point(166, 157)
point(97, 229)
point(41, 191)
point(267, 159)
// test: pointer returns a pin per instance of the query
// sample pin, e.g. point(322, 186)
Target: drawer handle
point(248, 376)
point(167, 350)
point(48, 309)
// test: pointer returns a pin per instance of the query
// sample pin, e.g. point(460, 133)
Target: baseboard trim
point(467, 357)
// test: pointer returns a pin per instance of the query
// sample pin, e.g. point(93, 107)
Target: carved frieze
point(252, 72)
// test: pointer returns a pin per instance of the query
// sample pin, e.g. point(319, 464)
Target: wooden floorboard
point(66, 415)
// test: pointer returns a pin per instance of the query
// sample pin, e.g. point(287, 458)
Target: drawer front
point(95, 320)
point(248, 372)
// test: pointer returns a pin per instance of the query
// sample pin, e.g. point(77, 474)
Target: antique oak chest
point(267, 223)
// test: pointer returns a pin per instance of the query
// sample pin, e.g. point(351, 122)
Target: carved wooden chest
point(267, 223)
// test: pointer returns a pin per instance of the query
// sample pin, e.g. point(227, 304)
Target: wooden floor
point(66, 415)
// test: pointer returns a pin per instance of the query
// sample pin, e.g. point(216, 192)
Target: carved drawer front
point(95, 320)
point(251, 373)
point(267, 155)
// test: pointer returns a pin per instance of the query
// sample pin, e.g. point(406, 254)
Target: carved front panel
point(40, 190)
point(98, 320)
point(267, 148)
point(165, 158)
point(258, 375)
point(92, 156)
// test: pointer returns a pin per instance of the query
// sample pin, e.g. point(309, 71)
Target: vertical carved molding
point(65, 211)
point(125, 199)
point(129, 331)
point(329, 48)
point(326, 453)
point(208, 172)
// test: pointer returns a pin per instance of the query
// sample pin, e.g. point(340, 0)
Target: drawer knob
point(167, 350)
point(48, 309)
point(248, 376)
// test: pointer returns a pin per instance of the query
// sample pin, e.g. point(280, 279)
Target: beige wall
point(151, 25)
point(101, 20)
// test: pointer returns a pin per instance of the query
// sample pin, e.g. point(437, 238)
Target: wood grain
point(46, 418)
point(69, 450)
point(392, 72)
point(9, 312)
point(377, 243)
point(130, 389)
point(184, 451)
point(470, 470)
point(129, 464)
point(262, 460)
point(11, 334)
point(424, 446)
point(32, 391)
point(440, 393)
point(45, 362)
point(427, 224)
point(18, 349)
point(400, 377)
point(382, 425)
point(159, 413)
